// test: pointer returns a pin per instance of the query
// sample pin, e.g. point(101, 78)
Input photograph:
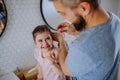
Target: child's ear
point(52, 36)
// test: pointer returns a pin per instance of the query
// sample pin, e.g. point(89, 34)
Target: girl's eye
point(40, 40)
point(48, 38)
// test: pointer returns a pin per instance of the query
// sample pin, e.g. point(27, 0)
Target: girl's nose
point(44, 43)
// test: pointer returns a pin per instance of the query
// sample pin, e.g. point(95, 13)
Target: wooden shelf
point(19, 75)
point(30, 76)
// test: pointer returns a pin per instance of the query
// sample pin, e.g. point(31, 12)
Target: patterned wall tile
point(16, 43)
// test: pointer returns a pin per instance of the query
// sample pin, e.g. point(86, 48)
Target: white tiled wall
point(16, 44)
point(111, 5)
point(119, 8)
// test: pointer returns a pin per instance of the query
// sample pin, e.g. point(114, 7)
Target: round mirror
point(3, 17)
point(49, 14)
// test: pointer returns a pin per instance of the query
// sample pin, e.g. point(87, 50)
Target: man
point(93, 54)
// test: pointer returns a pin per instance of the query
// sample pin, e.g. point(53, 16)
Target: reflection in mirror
point(3, 17)
point(49, 14)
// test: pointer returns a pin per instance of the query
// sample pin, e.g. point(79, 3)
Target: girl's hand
point(52, 58)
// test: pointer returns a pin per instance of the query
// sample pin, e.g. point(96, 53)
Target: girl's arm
point(55, 65)
point(56, 68)
point(40, 75)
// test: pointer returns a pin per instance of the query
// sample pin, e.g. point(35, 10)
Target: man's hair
point(74, 3)
point(40, 29)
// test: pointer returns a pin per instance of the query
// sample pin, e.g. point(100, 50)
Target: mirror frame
point(5, 18)
point(41, 10)
point(50, 15)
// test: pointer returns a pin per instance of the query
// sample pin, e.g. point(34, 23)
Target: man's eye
point(62, 14)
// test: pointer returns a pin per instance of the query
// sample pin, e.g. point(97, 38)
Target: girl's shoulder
point(37, 53)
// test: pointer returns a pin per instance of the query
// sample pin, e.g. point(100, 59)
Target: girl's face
point(44, 41)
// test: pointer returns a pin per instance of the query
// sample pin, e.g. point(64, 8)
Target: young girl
point(46, 55)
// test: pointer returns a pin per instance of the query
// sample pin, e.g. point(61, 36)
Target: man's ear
point(84, 8)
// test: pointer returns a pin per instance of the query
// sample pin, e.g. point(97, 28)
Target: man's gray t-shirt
point(92, 54)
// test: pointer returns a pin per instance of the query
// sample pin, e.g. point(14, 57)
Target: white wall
point(16, 44)
point(119, 8)
point(110, 5)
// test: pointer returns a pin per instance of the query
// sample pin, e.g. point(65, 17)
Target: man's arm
point(62, 56)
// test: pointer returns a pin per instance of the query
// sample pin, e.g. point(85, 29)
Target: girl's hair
point(74, 3)
point(40, 29)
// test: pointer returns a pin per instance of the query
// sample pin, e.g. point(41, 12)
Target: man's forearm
point(63, 51)
point(62, 57)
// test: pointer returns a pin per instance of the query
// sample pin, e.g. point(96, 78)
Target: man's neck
point(97, 17)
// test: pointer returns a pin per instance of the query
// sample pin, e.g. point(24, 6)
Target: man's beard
point(81, 25)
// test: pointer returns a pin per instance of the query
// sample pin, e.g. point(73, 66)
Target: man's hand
point(68, 28)
point(63, 27)
point(57, 36)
